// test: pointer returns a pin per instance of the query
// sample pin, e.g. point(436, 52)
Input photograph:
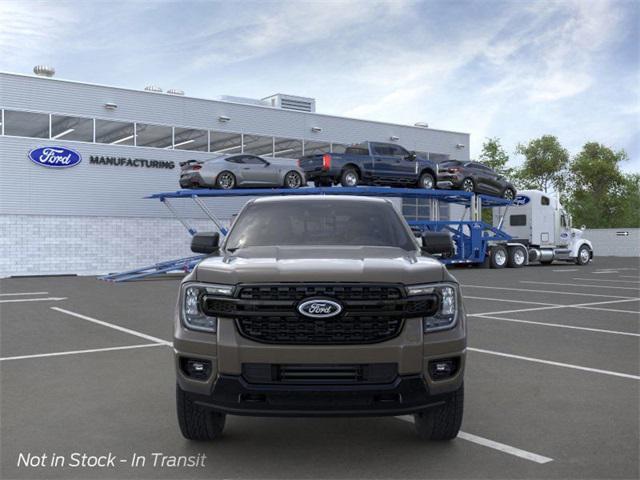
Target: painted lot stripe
point(111, 325)
point(76, 352)
point(528, 302)
point(604, 280)
point(582, 285)
point(23, 293)
point(20, 300)
point(533, 290)
point(555, 364)
point(588, 306)
point(628, 276)
point(501, 447)
point(567, 270)
point(558, 325)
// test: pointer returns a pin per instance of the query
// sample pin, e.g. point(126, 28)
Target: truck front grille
point(371, 313)
point(265, 373)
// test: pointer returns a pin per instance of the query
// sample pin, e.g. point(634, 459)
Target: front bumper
point(406, 395)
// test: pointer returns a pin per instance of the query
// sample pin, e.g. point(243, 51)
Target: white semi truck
point(541, 232)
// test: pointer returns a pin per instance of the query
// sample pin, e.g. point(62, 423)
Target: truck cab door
point(383, 161)
point(564, 236)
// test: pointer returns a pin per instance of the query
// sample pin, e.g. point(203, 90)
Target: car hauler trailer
point(475, 241)
point(537, 222)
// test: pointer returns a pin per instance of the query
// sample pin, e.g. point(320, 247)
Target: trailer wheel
point(584, 255)
point(517, 257)
point(499, 257)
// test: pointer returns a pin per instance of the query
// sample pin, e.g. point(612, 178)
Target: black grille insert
point(371, 312)
point(264, 373)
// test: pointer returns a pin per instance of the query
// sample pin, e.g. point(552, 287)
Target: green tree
point(494, 156)
point(600, 195)
point(545, 164)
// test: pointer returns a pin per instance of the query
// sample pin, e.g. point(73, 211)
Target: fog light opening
point(443, 368)
point(196, 368)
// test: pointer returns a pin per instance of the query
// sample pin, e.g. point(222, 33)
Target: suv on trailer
point(320, 306)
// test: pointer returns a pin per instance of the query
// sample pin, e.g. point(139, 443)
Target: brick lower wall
point(53, 245)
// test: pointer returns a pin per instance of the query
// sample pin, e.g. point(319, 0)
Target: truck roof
point(320, 198)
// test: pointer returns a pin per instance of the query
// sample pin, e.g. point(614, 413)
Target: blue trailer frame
point(471, 237)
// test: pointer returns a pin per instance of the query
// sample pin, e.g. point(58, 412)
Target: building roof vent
point(291, 102)
point(44, 71)
point(153, 88)
point(175, 91)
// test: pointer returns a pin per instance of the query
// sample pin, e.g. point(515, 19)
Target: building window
point(26, 124)
point(157, 136)
point(313, 148)
point(258, 145)
point(114, 133)
point(225, 143)
point(191, 139)
point(287, 148)
point(71, 128)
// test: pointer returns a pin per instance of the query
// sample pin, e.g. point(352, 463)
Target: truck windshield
point(319, 223)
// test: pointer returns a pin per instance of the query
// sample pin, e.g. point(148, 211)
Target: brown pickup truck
point(319, 306)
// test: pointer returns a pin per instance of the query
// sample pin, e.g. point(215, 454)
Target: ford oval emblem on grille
point(319, 308)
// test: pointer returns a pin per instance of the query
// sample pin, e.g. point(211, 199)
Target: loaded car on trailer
point(319, 306)
point(474, 177)
point(241, 170)
point(371, 163)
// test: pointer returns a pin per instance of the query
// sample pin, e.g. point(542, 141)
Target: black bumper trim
point(406, 395)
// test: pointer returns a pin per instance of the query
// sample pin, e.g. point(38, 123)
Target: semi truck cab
point(538, 221)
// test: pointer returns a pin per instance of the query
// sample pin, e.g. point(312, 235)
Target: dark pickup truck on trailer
point(371, 163)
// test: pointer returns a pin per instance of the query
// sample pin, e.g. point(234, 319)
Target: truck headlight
point(447, 313)
point(192, 316)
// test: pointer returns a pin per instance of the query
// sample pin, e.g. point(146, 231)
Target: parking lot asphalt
point(552, 386)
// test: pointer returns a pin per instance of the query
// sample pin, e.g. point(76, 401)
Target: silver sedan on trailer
point(241, 170)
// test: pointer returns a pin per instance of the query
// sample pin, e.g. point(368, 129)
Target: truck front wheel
point(442, 422)
point(196, 422)
point(584, 255)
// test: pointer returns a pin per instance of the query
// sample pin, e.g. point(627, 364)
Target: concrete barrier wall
point(614, 242)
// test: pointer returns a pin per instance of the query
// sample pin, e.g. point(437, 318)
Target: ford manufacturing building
point(93, 218)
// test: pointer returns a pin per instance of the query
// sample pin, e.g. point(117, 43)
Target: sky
point(515, 70)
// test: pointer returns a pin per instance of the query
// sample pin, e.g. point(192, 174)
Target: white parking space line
point(604, 280)
point(587, 306)
point(558, 325)
point(502, 447)
point(567, 270)
point(76, 352)
point(555, 292)
point(528, 302)
point(23, 293)
point(555, 364)
point(111, 325)
point(605, 272)
point(628, 276)
point(21, 300)
point(580, 285)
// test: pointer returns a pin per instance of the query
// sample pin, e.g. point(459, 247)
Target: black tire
point(226, 180)
point(509, 194)
point(292, 180)
point(517, 257)
point(427, 181)
point(349, 177)
point(196, 422)
point(584, 255)
point(468, 185)
point(499, 257)
point(443, 422)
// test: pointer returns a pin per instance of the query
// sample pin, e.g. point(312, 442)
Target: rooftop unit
point(291, 102)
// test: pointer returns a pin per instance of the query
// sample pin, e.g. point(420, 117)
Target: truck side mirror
point(206, 242)
point(437, 243)
point(411, 156)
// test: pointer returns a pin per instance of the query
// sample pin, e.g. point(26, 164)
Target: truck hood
point(320, 264)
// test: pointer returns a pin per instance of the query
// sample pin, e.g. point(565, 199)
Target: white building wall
point(614, 242)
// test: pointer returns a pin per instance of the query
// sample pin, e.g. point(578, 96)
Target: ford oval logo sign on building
point(55, 157)
point(319, 308)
